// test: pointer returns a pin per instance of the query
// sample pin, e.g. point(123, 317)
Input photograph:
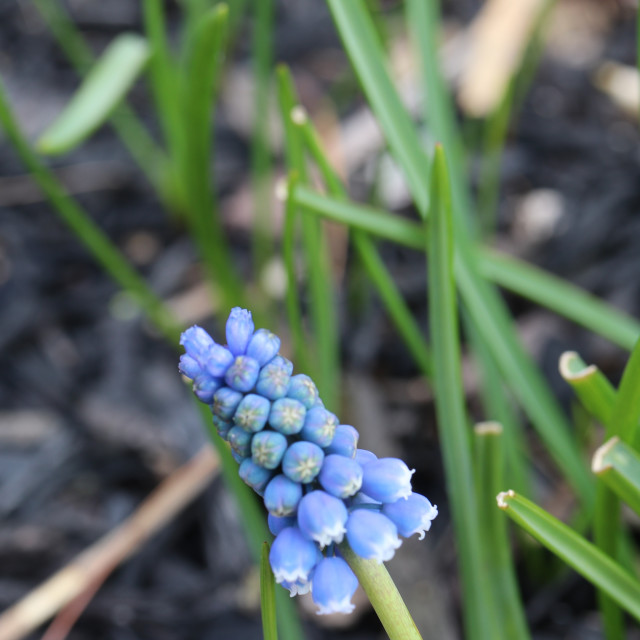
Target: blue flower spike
point(333, 586)
point(317, 486)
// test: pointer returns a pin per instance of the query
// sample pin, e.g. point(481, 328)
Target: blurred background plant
point(163, 147)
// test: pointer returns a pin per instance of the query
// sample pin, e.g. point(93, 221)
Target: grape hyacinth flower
point(317, 486)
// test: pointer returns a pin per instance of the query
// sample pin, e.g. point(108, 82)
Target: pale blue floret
point(340, 476)
point(267, 448)
point(322, 517)
point(302, 388)
point(413, 515)
point(292, 556)
point(302, 461)
point(372, 535)
point(255, 476)
point(222, 426)
point(387, 479)
point(242, 375)
point(204, 386)
point(238, 457)
point(252, 413)
point(239, 330)
point(225, 402)
point(364, 456)
point(333, 586)
point(189, 366)
point(319, 426)
point(299, 587)
point(263, 346)
point(281, 497)
point(196, 342)
point(218, 360)
point(277, 524)
point(240, 441)
point(345, 441)
point(287, 416)
point(274, 377)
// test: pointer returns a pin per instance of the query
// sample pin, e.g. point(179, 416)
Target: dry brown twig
point(76, 583)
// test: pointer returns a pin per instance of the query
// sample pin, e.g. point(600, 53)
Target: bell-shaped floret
point(277, 524)
point(225, 403)
point(292, 556)
point(204, 386)
point(345, 441)
point(413, 515)
point(302, 461)
point(364, 456)
point(372, 535)
point(387, 479)
point(218, 360)
point(189, 366)
point(287, 416)
point(302, 388)
point(240, 441)
point(274, 377)
point(196, 342)
point(255, 476)
point(281, 497)
point(252, 413)
point(333, 586)
point(263, 346)
point(267, 448)
point(322, 517)
point(319, 426)
point(242, 375)
point(340, 476)
point(239, 330)
point(297, 588)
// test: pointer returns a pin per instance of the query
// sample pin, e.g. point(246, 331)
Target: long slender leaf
point(626, 412)
point(618, 465)
point(500, 575)
point(575, 550)
point(104, 87)
point(449, 394)
point(267, 596)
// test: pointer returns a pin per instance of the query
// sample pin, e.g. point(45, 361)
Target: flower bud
point(372, 535)
point(302, 388)
point(340, 476)
point(252, 413)
point(222, 426)
point(413, 515)
point(217, 360)
point(242, 375)
point(333, 586)
point(319, 426)
point(204, 386)
point(238, 457)
point(189, 366)
point(267, 448)
point(281, 497)
point(322, 517)
point(239, 330)
point(225, 402)
point(287, 416)
point(302, 461)
point(292, 556)
point(276, 524)
point(240, 441)
point(196, 342)
point(273, 379)
point(387, 479)
point(345, 441)
point(255, 476)
point(364, 456)
point(263, 346)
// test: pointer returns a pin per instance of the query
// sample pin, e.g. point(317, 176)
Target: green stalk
point(618, 465)
point(267, 596)
point(499, 571)
point(450, 410)
point(625, 417)
point(576, 551)
point(383, 595)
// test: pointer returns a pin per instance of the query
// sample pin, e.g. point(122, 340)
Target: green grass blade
point(595, 392)
point(79, 221)
point(618, 465)
point(500, 575)
point(626, 412)
point(103, 88)
point(260, 152)
point(449, 394)
point(363, 46)
point(560, 296)
point(576, 551)
point(267, 596)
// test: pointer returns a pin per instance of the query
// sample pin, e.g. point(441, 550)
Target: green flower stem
point(576, 551)
point(267, 596)
point(626, 412)
point(383, 595)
